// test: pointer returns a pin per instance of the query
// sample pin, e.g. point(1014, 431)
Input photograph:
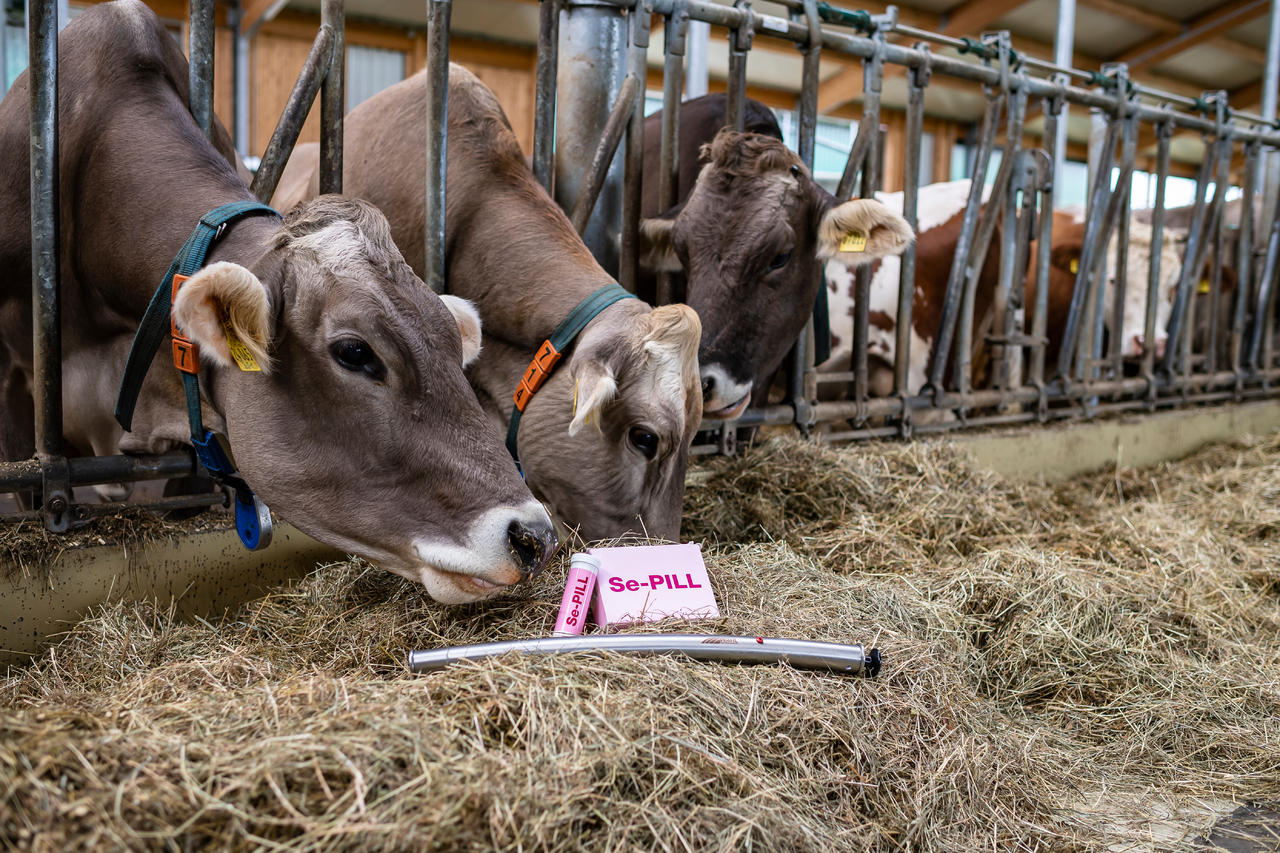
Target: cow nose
point(531, 545)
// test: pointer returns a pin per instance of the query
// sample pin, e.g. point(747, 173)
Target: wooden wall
point(280, 49)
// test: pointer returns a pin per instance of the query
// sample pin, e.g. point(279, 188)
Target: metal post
point(46, 305)
point(739, 45)
point(437, 131)
point(917, 80)
point(593, 41)
point(695, 78)
point(1164, 133)
point(1128, 152)
point(1063, 50)
point(333, 99)
point(544, 109)
point(674, 33)
point(1053, 110)
point(1244, 260)
point(1269, 183)
point(619, 118)
point(200, 64)
point(872, 84)
point(633, 156)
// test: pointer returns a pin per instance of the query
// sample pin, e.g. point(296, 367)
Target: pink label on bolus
point(644, 583)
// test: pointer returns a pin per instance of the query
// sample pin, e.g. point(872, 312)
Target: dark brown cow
point(360, 428)
point(605, 443)
point(749, 238)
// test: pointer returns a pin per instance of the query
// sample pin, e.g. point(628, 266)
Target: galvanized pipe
point(801, 654)
point(1128, 154)
point(1063, 54)
point(95, 470)
point(1164, 133)
point(285, 136)
point(46, 300)
point(917, 79)
point(544, 104)
point(1052, 109)
point(1244, 258)
point(1268, 182)
point(674, 34)
point(1194, 239)
point(437, 139)
point(696, 75)
point(619, 117)
point(739, 45)
point(333, 98)
point(200, 64)
point(633, 157)
point(593, 41)
point(872, 83)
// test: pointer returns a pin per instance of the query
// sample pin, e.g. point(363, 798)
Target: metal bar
point(591, 67)
point(96, 470)
point(872, 82)
point(544, 108)
point(1003, 305)
point(1063, 51)
point(739, 45)
point(917, 79)
point(437, 132)
point(955, 281)
point(1268, 181)
point(673, 47)
point(1194, 239)
point(801, 654)
point(200, 64)
point(46, 301)
point(1244, 256)
point(1053, 110)
point(1260, 343)
point(802, 386)
point(696, 75)
point(633, 157)
point(86, 511)
point(333, 98)
point(285, 136)
point(619, 117)
point(1128, 153)
point(1164, 133)
point(1074, 326)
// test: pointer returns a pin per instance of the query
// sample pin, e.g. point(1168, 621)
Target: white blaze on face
point(457, 573)
point(937, 204)
point(1137, 276)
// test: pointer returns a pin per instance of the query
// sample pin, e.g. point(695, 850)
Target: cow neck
point(550, 352)
point(253, 520)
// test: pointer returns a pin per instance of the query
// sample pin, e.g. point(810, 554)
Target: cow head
point(360, 427)
point(1065, 259)
point(750, 240)
point(606, 441)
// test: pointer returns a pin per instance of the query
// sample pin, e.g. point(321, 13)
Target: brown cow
point(632, 375)
point(939, 223)
point(360, 428)
point(750, 239)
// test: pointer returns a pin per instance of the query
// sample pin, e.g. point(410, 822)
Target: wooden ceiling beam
point(1213, 23)
point(974, 16)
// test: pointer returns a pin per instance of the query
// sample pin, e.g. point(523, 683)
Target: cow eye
point(779, 261)
point(795, 170)
point(644, 441)
point(356, 355)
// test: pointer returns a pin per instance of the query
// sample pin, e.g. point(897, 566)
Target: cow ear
point(861, 230)
point(468, 326)
point(594, 385)
point(221, 303)
point(657, 254)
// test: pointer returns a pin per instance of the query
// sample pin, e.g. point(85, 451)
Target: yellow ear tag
point(574, 412)
point(854, 241)
point(239, 352)
point(1204, 286)
point(1074, 266)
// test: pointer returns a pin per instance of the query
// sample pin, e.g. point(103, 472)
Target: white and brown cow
point(360, 429)
point(749, 239)
point(605, 443)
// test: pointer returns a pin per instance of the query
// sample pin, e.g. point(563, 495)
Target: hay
point(1062, 666)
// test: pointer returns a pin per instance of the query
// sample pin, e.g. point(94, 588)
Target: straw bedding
point(1084, 667)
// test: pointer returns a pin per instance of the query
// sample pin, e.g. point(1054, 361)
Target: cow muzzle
point(505, 546)
point(722, 396)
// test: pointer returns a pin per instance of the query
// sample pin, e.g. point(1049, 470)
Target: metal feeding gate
point(591, 72)
point(602, 59)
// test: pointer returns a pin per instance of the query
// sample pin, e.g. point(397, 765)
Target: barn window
point(370, 70)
